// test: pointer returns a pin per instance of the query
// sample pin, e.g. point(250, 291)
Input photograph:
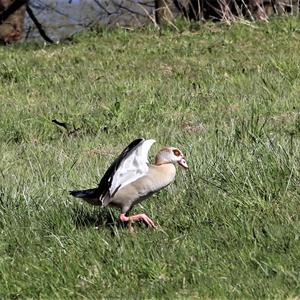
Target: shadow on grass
point(99, 218)
point(96, 218)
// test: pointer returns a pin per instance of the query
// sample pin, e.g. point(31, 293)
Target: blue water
point(62, 18)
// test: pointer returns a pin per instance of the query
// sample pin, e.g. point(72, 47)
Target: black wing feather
point(85, 194)
point(106, 181)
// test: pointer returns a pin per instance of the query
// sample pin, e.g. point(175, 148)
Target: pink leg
point(142, 217)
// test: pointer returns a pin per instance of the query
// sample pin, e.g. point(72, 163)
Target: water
point(62, 18)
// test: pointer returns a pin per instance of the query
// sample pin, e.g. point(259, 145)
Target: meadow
point(226, 95)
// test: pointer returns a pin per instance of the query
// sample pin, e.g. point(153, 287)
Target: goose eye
point(176, 152)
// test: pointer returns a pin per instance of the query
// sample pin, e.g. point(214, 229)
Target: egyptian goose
point(130, 179)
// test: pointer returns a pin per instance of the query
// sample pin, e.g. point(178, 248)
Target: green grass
point(227, 96)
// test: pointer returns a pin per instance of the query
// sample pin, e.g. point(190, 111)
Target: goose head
point(170, 155)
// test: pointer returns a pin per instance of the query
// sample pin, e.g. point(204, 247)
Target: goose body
point(130, 179)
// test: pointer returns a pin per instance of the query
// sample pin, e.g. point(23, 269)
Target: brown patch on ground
point(102, 150)
point(193, 127)
point(166, 69)
point(286, 117)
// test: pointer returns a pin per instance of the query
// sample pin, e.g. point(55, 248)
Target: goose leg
point(141, 217)
point(130, 228)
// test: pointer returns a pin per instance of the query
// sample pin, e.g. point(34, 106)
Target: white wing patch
point(132, 167)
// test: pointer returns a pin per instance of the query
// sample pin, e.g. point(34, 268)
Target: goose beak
point(183, 163)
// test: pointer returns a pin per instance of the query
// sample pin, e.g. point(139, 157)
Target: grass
point(227, 96)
